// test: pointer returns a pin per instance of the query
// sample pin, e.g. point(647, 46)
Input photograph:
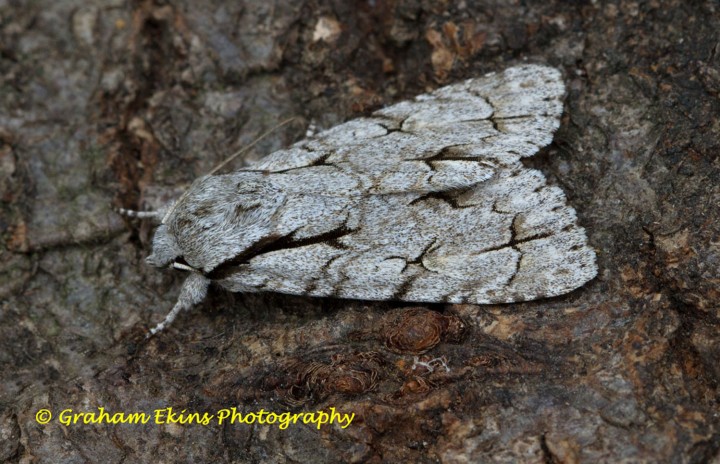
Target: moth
point(424, 201)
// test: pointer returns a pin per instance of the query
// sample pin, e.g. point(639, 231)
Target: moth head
point(165, 248)
point(213, 219)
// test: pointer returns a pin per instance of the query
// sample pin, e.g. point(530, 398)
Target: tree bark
point(104, 102)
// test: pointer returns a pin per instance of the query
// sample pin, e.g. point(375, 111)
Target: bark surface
point(105, 102)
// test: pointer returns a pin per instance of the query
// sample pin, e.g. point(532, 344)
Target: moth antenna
point(232, 157)
point(193, 292)
point(250, 145)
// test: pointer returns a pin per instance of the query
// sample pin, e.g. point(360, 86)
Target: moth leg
point(193, 292)
point(138, 214)
point(157, 215)
point(311, 130)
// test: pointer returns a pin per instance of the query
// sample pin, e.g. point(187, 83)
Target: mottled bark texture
point(124, 103)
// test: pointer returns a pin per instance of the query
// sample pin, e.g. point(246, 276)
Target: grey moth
point(424, 201)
